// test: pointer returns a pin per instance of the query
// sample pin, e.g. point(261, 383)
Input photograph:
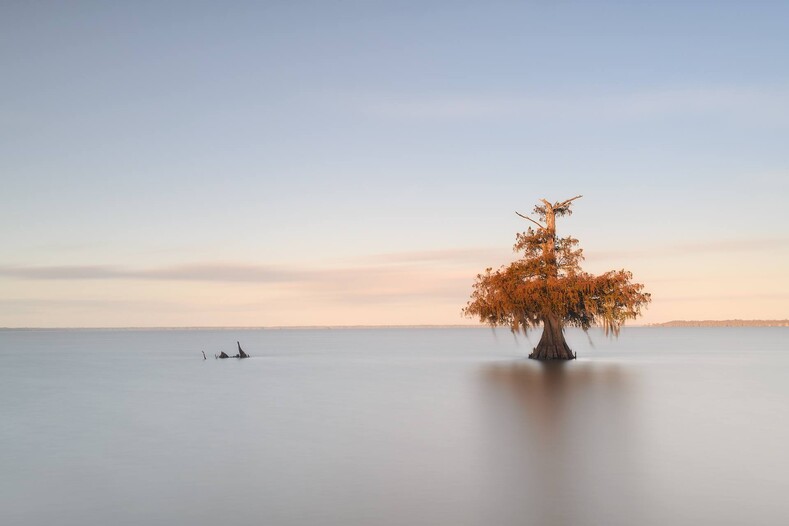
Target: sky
point(358, 163)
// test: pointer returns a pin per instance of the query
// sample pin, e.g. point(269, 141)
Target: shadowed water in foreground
point(393, 427)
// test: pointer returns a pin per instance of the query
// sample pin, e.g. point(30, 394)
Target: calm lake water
point(393, 427)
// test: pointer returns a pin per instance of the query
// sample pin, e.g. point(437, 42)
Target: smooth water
point(393, 427)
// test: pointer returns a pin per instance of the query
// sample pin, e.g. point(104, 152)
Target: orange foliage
point(548, 280)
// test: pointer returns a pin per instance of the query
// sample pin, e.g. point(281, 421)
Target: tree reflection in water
point(561, 444)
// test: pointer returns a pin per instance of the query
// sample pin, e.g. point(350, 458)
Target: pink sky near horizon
point(408, 288)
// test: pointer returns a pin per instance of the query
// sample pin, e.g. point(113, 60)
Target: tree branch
point(565, 203)
point(530, 219)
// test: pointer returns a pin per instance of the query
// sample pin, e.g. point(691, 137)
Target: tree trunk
point(552, 345)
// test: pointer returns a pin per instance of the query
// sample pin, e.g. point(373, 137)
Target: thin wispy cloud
point(197, 272)
point(225, 273)
point(63, 272)
point(376, 267)
point(413, 278)
point(705, 247)
point(36, 304)
point(752, 103)
point(452, 256)
point(248, 292)
point(406, 280)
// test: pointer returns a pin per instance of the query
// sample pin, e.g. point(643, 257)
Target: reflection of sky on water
point(392, 428)
point(560, 443)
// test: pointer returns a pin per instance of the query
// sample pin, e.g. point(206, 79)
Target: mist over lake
point(393, 427)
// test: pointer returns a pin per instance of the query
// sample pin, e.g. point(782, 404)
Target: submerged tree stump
point(241, 353)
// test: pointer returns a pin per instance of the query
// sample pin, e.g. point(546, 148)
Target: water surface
point(393, 427)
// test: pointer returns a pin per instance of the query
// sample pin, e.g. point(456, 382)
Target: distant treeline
point(723, 323)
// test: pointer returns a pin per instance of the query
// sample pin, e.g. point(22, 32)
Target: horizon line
point(293, 327)
point(247, 327)
point(352, 326)
point(268, 327)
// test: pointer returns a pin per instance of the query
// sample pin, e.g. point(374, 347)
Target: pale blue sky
point(288, 163)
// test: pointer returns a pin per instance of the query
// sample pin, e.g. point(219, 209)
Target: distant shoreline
point(260, 328)
point(674, 323)
point(722, 323)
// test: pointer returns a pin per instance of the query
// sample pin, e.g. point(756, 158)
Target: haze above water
point(393, 427)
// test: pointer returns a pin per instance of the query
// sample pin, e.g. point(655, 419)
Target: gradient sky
point(343, 163)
